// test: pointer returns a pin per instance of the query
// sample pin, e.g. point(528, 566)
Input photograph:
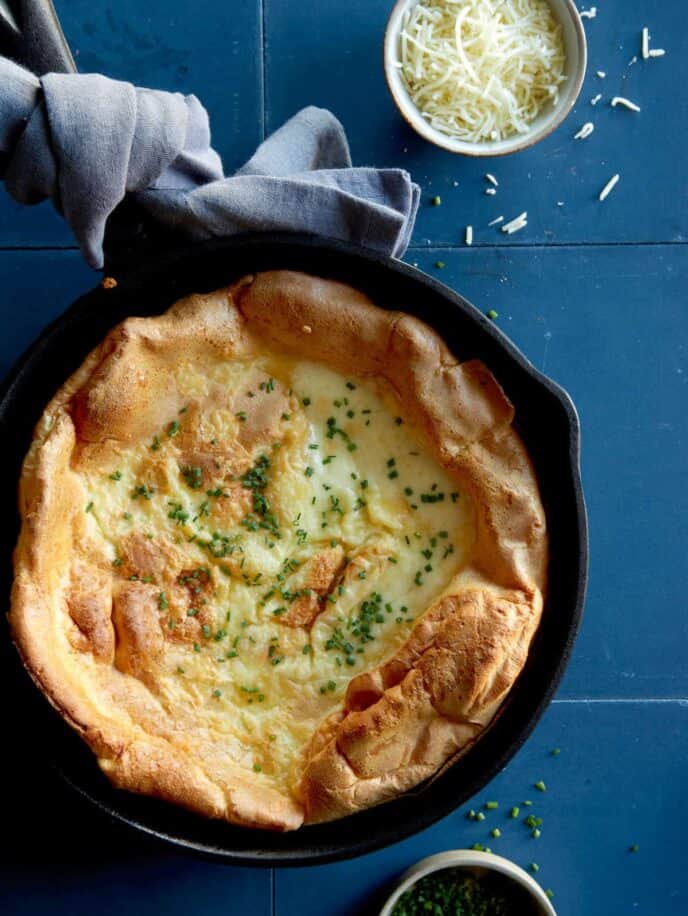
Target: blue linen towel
point(84, 141)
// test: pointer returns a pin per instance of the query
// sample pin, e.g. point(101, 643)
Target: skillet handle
point(31, 35)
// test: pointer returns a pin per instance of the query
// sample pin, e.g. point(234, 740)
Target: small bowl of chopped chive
point(484, 78)
point(469, 883)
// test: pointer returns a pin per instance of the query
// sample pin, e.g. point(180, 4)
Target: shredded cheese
point(469, 235)
point(589, 14)
point(585, 131)
point(610, 185)
point(479, 69)
point(645, 46)
point(492, 179)
point(601, 74)
point(595, 99)
point(490, 191)
point(626, 103)
point(494, 222)
point(516, 224)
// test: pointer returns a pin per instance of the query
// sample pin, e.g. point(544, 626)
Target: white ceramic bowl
point(548, 119)
point(471, 860)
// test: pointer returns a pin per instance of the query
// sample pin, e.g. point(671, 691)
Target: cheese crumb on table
point(610, 185)
point(516, 224)
point(469, 235)
point(585, 131)
point(626, 103)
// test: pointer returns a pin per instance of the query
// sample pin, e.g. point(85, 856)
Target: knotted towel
point(84, 141)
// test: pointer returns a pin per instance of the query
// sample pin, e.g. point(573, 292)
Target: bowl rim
point(413, 117)
point(468, 858)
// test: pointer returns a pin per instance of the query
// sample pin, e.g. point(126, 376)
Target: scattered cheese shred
point(609, 187)
point(516, 224)
point(589, 14)
point(645, 46)
point(494, 222)
point(585, 131)
point(492, 179)
point(479, 70)
point(626, 103)
point(491, 191)
point(469, 235)
point(601, 74)
point(595, 99)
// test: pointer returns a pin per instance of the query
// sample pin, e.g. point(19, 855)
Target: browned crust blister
point(400, 723)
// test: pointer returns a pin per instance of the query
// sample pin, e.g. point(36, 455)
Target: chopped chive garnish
point(491, 805)
point(540, 786)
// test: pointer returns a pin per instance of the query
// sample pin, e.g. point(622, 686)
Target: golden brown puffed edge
point(401, 722)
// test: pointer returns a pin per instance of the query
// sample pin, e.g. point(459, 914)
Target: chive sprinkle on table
point(594, 293)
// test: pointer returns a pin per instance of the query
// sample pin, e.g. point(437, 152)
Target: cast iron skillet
point(545, 417)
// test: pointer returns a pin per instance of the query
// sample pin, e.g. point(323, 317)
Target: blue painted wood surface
point(594, 294)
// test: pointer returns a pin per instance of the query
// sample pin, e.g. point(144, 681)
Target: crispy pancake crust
point(90, 636)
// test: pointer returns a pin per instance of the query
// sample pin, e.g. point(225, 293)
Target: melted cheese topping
point(481, 69)
point(283, 493)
